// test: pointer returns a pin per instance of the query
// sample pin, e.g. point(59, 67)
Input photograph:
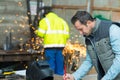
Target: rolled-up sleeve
point(83, 69)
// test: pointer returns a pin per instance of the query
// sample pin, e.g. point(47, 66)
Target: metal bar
point(29, 18)
point(18, 56)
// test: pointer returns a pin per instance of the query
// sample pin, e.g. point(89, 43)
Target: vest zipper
point(98, 60)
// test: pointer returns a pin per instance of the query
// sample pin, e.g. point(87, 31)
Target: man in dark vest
point(102, 40)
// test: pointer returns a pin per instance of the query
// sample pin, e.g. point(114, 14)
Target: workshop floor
point(87, 77)
point(56, 77)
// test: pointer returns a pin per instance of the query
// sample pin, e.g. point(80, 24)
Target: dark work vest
point(100, 50)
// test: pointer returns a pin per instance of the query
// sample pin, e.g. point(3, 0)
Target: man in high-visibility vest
point(55, 32)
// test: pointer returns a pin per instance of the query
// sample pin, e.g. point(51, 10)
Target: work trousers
point(56, 59)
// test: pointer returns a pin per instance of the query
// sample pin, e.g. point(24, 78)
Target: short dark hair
point(82, 16)
point(47, 9)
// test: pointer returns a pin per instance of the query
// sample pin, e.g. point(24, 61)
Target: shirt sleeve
point(115, 43)
point(41, 28)
point(83, 69)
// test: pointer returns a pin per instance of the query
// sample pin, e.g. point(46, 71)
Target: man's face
point(84, 30)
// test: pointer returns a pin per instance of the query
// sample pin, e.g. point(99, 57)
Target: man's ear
point(88, 22)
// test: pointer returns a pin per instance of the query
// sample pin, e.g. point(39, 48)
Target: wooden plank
point(107, 9)
point(68, 7)
point(84, 7)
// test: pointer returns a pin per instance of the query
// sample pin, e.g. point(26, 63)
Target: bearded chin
point(84, 36)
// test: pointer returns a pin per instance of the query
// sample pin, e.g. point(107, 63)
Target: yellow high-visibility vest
point(54, 30)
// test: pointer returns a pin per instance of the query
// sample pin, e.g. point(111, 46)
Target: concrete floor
point(87, 77)
point(90, 77)
point(57, 77)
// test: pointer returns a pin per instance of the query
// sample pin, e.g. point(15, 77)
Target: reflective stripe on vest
point(55, 31)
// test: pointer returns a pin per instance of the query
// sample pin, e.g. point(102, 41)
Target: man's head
point(47, 9)
point(83, 22)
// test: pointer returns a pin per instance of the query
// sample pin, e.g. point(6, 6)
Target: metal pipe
point(89, 6)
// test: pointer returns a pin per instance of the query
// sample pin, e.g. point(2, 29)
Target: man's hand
point(36, 31)
point(68, 77)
